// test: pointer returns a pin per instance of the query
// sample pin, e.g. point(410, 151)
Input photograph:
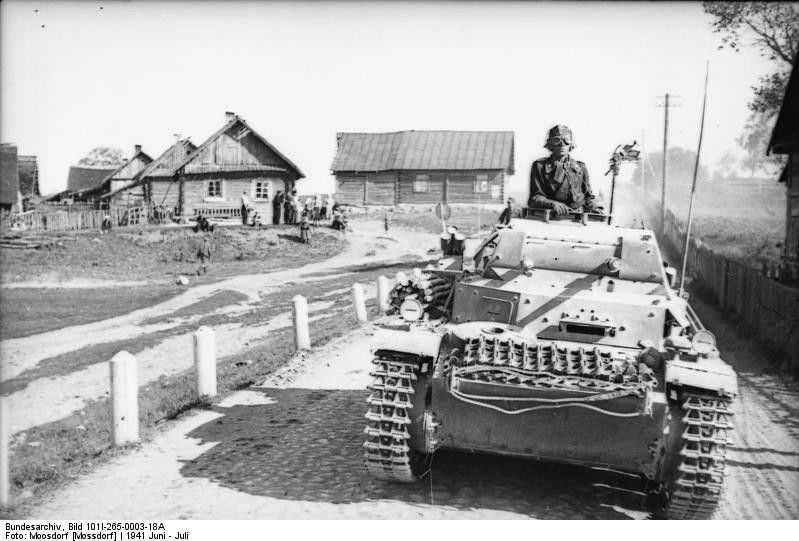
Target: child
point(305, 229)
point(203, 254)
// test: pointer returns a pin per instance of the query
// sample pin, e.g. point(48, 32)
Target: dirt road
point(291, 448)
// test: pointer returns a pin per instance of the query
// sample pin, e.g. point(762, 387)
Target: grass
point(27, 311)
point(153, 255)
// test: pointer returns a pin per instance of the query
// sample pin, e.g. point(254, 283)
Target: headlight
point(411, 310)
point(703, 342)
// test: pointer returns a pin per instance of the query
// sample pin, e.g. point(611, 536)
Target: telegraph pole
point(666, 105)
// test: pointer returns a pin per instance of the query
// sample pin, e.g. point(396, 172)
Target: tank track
point(696, 488)
point(387, 453)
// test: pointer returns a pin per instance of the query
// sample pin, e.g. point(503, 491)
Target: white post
point(124, 398)
point(205, 361)
point(358, 302)
point(5, 496)
point(383, 289)
point(302, 338)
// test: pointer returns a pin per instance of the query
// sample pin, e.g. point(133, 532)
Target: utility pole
point(666, 105)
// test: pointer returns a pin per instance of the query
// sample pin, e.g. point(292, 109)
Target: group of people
point(293, 208)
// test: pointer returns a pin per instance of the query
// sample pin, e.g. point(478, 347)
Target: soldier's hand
point(560, 209)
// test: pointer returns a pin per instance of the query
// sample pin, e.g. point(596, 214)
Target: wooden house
point(28, 169)
point(785, 140)
point(122, 176)
point(211, 178)
point(82, 180)
point(156, 183)
point(422, 167)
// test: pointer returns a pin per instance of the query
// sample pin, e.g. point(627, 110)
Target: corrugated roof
point(83, 178)
point(424, 150)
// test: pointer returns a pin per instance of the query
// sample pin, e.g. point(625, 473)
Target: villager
point(106, 225)
point(277, 206)
point(245, 205)
point(297, 206)
point(203, 255)
point(305, 229)
point(560, 182)
point(507, 212)
point(339, 222)
point(288, 209)
point(317, 210)
point(326, 204)
point(203, 224)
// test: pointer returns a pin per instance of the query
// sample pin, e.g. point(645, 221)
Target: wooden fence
point(74, 220)
point(764, 309)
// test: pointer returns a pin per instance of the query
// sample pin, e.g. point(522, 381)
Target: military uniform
point(563, 180)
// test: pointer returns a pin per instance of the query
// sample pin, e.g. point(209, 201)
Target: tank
point(556, 339)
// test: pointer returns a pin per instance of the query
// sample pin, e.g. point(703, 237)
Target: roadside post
point(124, 399)
point(382, 294)
point(5, 496)
point(302, 337)
point(205, 361)
point(358, 302)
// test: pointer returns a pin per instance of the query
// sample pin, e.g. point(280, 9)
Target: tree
point(104, 157)
point(773, 28)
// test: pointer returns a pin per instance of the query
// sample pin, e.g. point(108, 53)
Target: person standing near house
point(245, 205)
point(277, 205)
point(288, 208)
point(297, 206)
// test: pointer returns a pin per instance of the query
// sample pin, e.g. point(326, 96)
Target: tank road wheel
point(699, 433)
point(387, 450)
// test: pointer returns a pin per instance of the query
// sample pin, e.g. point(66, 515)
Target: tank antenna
point(693, 185)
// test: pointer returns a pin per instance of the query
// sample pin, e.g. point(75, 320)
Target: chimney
point(136, 149)
point(229, 115)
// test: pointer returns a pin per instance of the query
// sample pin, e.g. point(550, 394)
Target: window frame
point(477, 185)
point(266, 184)
point(208, 196)
point(419, 181)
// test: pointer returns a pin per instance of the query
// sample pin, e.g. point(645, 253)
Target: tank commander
point(560, 182)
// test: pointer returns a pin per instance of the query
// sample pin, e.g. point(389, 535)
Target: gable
point(236, 148)
point(132, 168)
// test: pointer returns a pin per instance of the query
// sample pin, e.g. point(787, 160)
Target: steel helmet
point(561, 130)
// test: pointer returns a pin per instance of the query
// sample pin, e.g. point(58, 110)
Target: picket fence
point(764, 308)
point(74, 220)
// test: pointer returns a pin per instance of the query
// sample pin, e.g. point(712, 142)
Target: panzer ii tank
point(557, 339)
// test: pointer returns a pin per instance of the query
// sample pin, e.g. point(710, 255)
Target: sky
point(77, 75)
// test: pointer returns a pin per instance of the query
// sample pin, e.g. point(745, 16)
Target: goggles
point(557, 141)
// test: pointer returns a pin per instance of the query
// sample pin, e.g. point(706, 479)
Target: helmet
point(560, 130)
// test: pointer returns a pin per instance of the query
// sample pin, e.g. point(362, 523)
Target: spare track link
point(707, 431)
point(387, 453)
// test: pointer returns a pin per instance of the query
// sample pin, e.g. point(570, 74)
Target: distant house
point(423, 167)
point(118, 178)
point(10, 199)
point(785, 140)
point(155, 183)
point(28, 171)
point(234, 160)
point(85, 179)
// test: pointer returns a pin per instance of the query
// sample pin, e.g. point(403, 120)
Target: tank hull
point(574, 435)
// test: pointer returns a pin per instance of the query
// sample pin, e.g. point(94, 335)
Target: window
point(481, 184)
point(421, 184)
point(262, 190)
point(214, 189)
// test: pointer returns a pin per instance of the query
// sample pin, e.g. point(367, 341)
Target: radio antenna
point(693, 185)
